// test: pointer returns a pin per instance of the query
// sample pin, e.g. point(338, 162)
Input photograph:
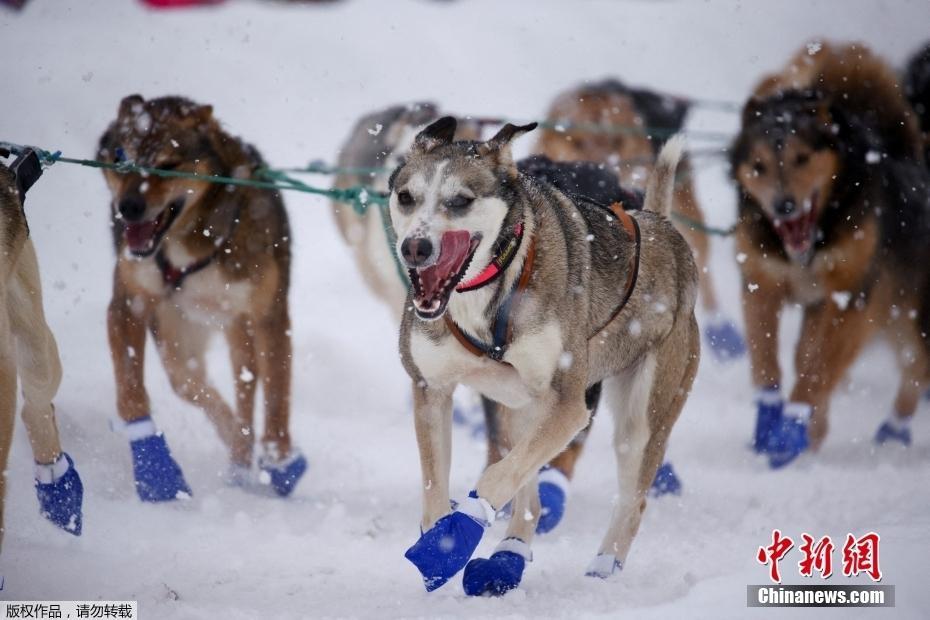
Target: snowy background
point(292, 80)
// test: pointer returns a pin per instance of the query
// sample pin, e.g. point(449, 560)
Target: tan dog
point(834, 215)
point(195, 258)
point(530, 298)
point(28, 349)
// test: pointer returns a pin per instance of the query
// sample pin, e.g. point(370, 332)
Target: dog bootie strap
point(725, 341)
point(283, 474)
point(500, 573)
point(158, 476)
point(603, 566)
point(553, 495)
point(444, 549)
point(61, 494)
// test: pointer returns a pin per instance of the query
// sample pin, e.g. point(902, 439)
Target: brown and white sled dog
point(195, 258)
point(834, 216)
point(28, 350)
point(591, 295)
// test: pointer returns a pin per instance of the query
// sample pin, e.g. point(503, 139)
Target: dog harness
point(174, 276)
point(502, 328)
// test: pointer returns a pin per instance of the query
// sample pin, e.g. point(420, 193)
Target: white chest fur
point(205, 296)
point(531, 362)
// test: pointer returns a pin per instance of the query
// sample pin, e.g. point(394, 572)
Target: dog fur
point(27, 346)
point(834, 214)
point(917, 89)
point(242, 291)
point(646, 356)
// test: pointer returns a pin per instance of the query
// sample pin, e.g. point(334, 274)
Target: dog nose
point(785, 207)
point(416, 250)
point(132, 207)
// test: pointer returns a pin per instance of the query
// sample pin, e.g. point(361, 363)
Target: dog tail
point(661, 184)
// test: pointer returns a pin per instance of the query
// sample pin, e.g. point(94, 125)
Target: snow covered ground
point(292, 80)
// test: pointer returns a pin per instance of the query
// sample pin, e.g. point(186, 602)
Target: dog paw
point(284, 474)
point(494, 576)
point(890, 433)
point(158, 476)
point(788, 439)
point(666, 482)
point(444, 549)
point(603, 566)
point(724, 339)
point(553, 494)
point(61, 494)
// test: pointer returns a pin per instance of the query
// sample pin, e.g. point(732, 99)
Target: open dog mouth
point(433, 285)
point(797, 231)
point(143, 237)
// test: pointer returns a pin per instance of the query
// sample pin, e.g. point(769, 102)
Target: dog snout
point(416, 251)
point(785, 207)
point(132, 207)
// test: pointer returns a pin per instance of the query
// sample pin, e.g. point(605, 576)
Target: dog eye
point(758, 168)
point(457, 203)
point(801, 159)
point(169, 165)
point(405, 198)
point(119, 154)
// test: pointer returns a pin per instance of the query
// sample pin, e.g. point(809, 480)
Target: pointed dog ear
point(499, 144)
point(130, 105)
point(438, 133)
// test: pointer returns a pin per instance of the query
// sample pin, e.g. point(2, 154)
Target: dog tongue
point(453, 250)
point(139, 234)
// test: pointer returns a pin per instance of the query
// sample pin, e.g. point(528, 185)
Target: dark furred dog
point(917, 89)
point(833, 215)
point(194, 258)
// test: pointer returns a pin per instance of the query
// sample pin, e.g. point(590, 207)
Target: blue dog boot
point(769, 410)
point(284, 474)
point(444, 549)
point(500, 573)
point(789, 440)
point(60, 493)
point(158, 476)
point(603, 566)
point(724, 339)
point(666, 481)
point(894, 430)
point(553, 493)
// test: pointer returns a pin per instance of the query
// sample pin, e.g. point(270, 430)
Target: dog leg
point(284, 463)
point(181, 345)
point(241, 340)
point(503, 571)
point(58, 486)
point(7, 409)
point(436, 560)
point(831, 339)
point(763, 299)
point(914, 363)
point(646, 402)
point(127, 318)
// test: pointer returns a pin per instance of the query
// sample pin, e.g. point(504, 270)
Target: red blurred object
point(170, 4)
